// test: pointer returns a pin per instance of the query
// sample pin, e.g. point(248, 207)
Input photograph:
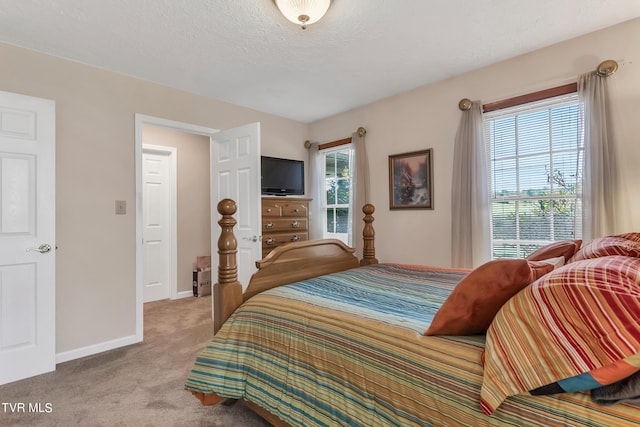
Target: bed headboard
point(286, 264)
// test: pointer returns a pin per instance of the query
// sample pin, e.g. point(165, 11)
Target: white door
point(158, 206)
point(235, 174)
point(27, 236)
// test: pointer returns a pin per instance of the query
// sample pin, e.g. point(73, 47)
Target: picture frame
point(411, 180)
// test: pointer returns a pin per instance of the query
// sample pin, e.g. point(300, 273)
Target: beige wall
point(193, 198)
point(428, 118)
point(95, 165)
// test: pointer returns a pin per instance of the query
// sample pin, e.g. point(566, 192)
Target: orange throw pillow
point(476, 299)
point(565, 248)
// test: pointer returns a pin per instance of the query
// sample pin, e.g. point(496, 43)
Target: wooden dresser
point(284, 220)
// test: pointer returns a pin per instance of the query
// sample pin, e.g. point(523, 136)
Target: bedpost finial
point(368, 236)
point(227, 292)
point(227, 207)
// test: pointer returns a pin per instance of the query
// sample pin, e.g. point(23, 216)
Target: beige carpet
point(138, 385)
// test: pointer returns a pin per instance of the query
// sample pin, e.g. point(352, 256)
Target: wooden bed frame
point(285, 264)
point(304, 260)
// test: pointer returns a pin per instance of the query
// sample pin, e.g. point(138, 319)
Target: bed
point(320, 339)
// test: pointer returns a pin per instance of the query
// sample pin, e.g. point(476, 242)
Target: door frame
point(171, 153)
point(140, 121)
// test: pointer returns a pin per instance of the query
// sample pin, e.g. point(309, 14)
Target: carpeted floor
point(138, 385)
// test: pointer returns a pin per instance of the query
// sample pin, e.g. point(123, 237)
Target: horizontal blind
point(535, 174)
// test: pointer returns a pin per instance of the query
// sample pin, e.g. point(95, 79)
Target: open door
point(235, 174)
point(27, 237)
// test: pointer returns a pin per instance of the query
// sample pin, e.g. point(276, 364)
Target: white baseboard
point(95, 349)
point(184, 294)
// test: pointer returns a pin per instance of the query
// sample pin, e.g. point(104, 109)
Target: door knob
point(43, 248)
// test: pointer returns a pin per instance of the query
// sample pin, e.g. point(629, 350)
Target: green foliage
point(337, 190)
point(563, 206)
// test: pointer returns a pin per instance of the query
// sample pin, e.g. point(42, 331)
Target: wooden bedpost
point(227, 292)
point(368, 235)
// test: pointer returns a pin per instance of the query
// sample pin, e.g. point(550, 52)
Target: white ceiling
point(246, 53)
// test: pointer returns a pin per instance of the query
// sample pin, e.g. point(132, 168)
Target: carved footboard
point(286, 264)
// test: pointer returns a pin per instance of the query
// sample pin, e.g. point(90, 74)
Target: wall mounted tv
point(282, 177)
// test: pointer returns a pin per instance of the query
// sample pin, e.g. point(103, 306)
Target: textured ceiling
point(246, 53)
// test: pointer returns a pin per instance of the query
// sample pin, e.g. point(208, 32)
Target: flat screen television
point(282, 177)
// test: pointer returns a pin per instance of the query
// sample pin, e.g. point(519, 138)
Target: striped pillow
point(579, 319)
point(627, 244)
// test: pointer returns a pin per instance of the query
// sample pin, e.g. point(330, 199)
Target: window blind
point(535, 174)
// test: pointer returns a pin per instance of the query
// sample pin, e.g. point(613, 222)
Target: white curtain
point(470, 236)
point(360, 193)
point(601, 184)
point(316, 193)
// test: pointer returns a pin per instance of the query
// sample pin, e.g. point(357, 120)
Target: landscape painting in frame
point(411, 180)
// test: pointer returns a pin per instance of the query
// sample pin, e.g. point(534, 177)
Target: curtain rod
point(360, 131)
point(604, 69)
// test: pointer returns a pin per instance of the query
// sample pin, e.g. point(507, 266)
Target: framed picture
point(411, 180)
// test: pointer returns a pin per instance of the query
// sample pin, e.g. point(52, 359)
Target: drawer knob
point(296, 210)
point(268, 209)
point(270, 241)
point(269, 225)
point(295, 224)
point(295, 238)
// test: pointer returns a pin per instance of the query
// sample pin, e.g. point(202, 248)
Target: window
point(337, 189)
point(535, 173)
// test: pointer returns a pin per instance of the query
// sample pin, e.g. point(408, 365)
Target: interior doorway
point(190, 146)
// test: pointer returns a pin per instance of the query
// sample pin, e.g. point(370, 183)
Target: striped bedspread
point(347, 349)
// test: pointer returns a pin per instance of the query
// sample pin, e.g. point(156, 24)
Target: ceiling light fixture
point(303, 12)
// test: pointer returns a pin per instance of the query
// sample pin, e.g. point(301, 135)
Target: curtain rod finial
point(307, 144)
point(464, 104)
point(608, 67)
point(362, 131)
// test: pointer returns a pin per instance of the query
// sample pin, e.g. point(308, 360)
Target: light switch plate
point(121, 207)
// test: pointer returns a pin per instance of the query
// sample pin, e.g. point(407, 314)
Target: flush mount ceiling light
point(303, 12)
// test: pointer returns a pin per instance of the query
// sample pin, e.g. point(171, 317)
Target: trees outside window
point(338, 188)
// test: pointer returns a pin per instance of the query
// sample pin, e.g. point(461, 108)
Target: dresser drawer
point(284, 224)
point(295, 209)
point(271, 208)
point(284, 220)
point(272, 240)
